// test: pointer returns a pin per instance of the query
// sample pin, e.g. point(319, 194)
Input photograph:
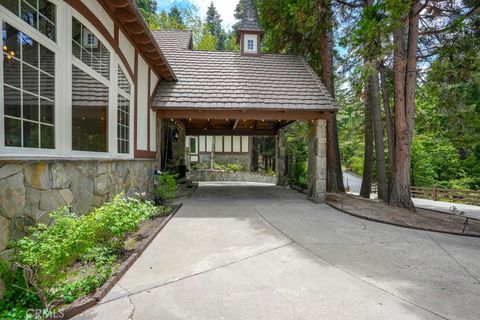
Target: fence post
point(434, 193)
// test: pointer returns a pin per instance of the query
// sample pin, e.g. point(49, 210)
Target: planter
point(211, 175)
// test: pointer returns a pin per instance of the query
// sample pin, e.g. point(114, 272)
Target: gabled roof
point(173, 40)
point(227, 80)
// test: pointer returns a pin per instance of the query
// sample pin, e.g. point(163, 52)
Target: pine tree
point(214, 26)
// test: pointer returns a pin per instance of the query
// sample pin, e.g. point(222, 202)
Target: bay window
point(69, 97)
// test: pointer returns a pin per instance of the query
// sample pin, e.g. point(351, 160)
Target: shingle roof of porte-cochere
point(227, 80)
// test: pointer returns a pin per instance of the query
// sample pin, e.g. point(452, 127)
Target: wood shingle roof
point(228, 80)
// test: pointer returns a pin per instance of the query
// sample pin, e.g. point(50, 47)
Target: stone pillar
point(280, 158)
point(317, 160)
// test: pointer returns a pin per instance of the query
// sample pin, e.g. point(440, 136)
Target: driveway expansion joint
point(132, 293)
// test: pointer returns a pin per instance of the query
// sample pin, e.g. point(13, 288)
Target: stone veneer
point(30, 189)
point(317, 160)
point(210, 175)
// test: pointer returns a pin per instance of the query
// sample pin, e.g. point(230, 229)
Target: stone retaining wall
point(31, 189)
point(208, 175)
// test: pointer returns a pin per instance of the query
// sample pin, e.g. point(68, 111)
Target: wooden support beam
point(241, 114)
point(228, 132)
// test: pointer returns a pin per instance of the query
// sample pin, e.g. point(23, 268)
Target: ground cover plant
point(56, 264)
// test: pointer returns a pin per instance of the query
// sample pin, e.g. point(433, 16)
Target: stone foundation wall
point(31, 189)
point(242, 159)
point(207, 175)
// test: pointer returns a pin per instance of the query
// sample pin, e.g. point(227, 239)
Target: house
point(94, 102)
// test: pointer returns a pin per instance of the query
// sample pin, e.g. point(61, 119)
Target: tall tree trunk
point(366, 187)
point(374, 89)
point(388, 123)
point(334, 167)
point(405, 56)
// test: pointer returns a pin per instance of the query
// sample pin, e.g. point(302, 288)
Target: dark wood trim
point(287, 114)
point(229, 132)
point(148, 110)
point(145, 154)
point(92, 18)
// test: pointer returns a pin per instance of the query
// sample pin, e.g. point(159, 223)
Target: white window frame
point(56, 47)
point(131, 113)
point(64, 60)
point(249, 37)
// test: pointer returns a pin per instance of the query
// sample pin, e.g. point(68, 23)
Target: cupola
point(249, 32)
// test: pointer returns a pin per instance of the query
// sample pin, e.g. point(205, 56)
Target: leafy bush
point(235, 167)
point(167, 186)
point(93, 241)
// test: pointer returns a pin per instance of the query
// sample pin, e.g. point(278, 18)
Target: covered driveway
point(263, 252)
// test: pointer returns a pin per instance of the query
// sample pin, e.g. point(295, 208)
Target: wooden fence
point(440, 194)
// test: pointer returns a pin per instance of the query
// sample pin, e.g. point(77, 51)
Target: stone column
point(317, 160)
point(280, 158)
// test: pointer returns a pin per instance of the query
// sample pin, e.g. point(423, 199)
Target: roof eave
point(129, 16)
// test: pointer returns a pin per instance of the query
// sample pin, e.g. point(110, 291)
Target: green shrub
point(167, 186)
point(235, 167)
point(93, 240)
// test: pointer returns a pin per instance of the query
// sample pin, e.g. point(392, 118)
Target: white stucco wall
point(142, 124)
point(127, 48)
point(103, 16)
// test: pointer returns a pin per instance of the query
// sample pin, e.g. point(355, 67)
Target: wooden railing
point(451, 195)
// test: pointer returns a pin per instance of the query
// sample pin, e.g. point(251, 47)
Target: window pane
point(89, 113)
point(29, 50)
point(12, 102)
point(11, 40)
point(123, 117)
point(47, 137)
point(28, 14)
point(47, 86)
point(46, 111)
point(30, 134)
point(193, 145)
point(47, 9)
point(30, 79)
point(47, 60)
point(11, 71)
point(13, 137)
point(122, 81)
point(30, 107)
point(46, 27)
point(22, 72)
point(11, 5)
point(90, 50)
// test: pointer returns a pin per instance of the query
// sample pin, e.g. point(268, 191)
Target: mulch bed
point(135, 244)
point(422, 219)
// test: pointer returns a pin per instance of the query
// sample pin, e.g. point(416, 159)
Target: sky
point(224, 7)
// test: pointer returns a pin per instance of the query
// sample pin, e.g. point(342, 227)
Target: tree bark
point(374, 89)
point(366, 187)
point(405, 57)
point(388, 122)
point(334, 167)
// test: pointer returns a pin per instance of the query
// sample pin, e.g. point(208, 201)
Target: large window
point(89, 94)
point(40, 14)
point(123, 114)
point(29, 91)
point(89, 113)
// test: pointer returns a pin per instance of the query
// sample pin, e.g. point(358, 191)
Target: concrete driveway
point(262, 252)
